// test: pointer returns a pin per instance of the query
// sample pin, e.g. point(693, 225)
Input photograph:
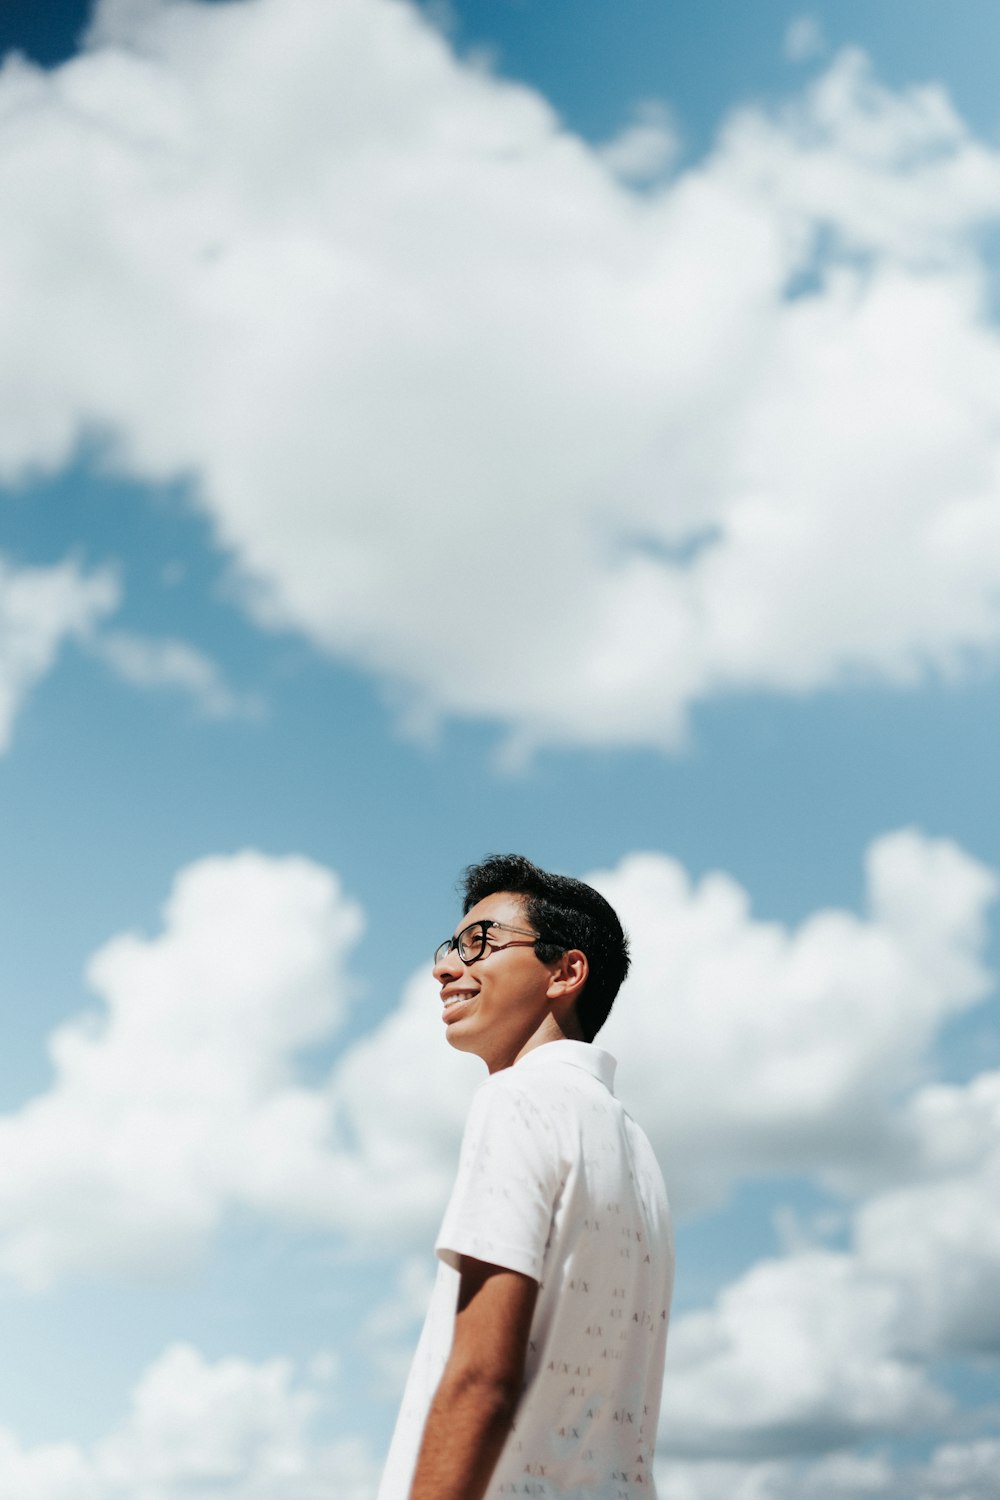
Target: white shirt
point(555, 1180)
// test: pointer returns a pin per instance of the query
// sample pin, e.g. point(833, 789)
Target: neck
point(550, 1030)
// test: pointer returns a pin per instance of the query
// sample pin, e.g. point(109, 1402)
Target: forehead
point(501, 906)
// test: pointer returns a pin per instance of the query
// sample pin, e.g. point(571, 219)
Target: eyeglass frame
point(454, 944)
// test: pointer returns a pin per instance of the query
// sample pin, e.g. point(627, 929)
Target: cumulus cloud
point(40, 609)
point(391, 1328)
point(178, 1097)
point(390, 315)
point(821, 1348)
point(804, 39)
point(938, 1237)
point(197, 1430)
point(231, 1429)
point(171, 664)
point(400, 1098)
point(753, 1048)
point(646, 148)
point(746, 1049)
point(967, 1471)
point(797, 1355)
point(955, 1471)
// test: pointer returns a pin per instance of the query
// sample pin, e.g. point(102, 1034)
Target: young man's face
point(495, 1004)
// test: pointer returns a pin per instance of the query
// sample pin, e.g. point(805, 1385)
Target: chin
point(462, 1043)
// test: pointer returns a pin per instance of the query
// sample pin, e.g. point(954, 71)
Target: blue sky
point(576, 435)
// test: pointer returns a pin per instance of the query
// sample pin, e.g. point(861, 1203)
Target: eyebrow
point(478, 922)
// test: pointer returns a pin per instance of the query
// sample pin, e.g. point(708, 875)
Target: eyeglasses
point(472, 942)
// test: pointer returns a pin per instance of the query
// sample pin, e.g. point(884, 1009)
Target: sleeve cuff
point(510, 1257)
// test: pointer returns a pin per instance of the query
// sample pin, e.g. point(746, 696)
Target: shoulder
point(507, 1096)
point(513, 1117)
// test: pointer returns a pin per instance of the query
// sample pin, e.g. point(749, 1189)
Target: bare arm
point(472, 1412)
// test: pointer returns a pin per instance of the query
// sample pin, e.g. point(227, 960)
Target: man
point(539, 1368)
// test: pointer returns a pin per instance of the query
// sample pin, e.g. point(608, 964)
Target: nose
point(448, 967)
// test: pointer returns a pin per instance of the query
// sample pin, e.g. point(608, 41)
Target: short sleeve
point(505, 1193)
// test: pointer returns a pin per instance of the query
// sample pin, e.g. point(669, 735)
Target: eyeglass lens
point(470, 943)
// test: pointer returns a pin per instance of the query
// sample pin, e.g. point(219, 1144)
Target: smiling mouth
point(454, 1003)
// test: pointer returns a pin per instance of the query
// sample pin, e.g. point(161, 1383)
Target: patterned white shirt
point(557, 1181)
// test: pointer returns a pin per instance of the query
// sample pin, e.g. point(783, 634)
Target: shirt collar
point(600, 1065)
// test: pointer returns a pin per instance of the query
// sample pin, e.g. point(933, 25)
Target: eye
point(471, 941)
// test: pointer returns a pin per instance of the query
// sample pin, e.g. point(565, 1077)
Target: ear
point(569, 975)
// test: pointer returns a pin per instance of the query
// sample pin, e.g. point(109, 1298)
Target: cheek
point(530, 998)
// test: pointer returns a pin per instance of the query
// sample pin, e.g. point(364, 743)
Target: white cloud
point(165, 663)
point(804, 39)
point(180, 1099)
point(646, 148)
point(391, 1328)
point(955, 1471)
point(938, 1237)
point(788, 1050)
point(392, 317)
point(967, 1471)
point(49, 1471)
point(821, 1349)
point(760, 1049)
point(797, 1355)
point(40, 609)
point(229, 1430)
point(403, 1096)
